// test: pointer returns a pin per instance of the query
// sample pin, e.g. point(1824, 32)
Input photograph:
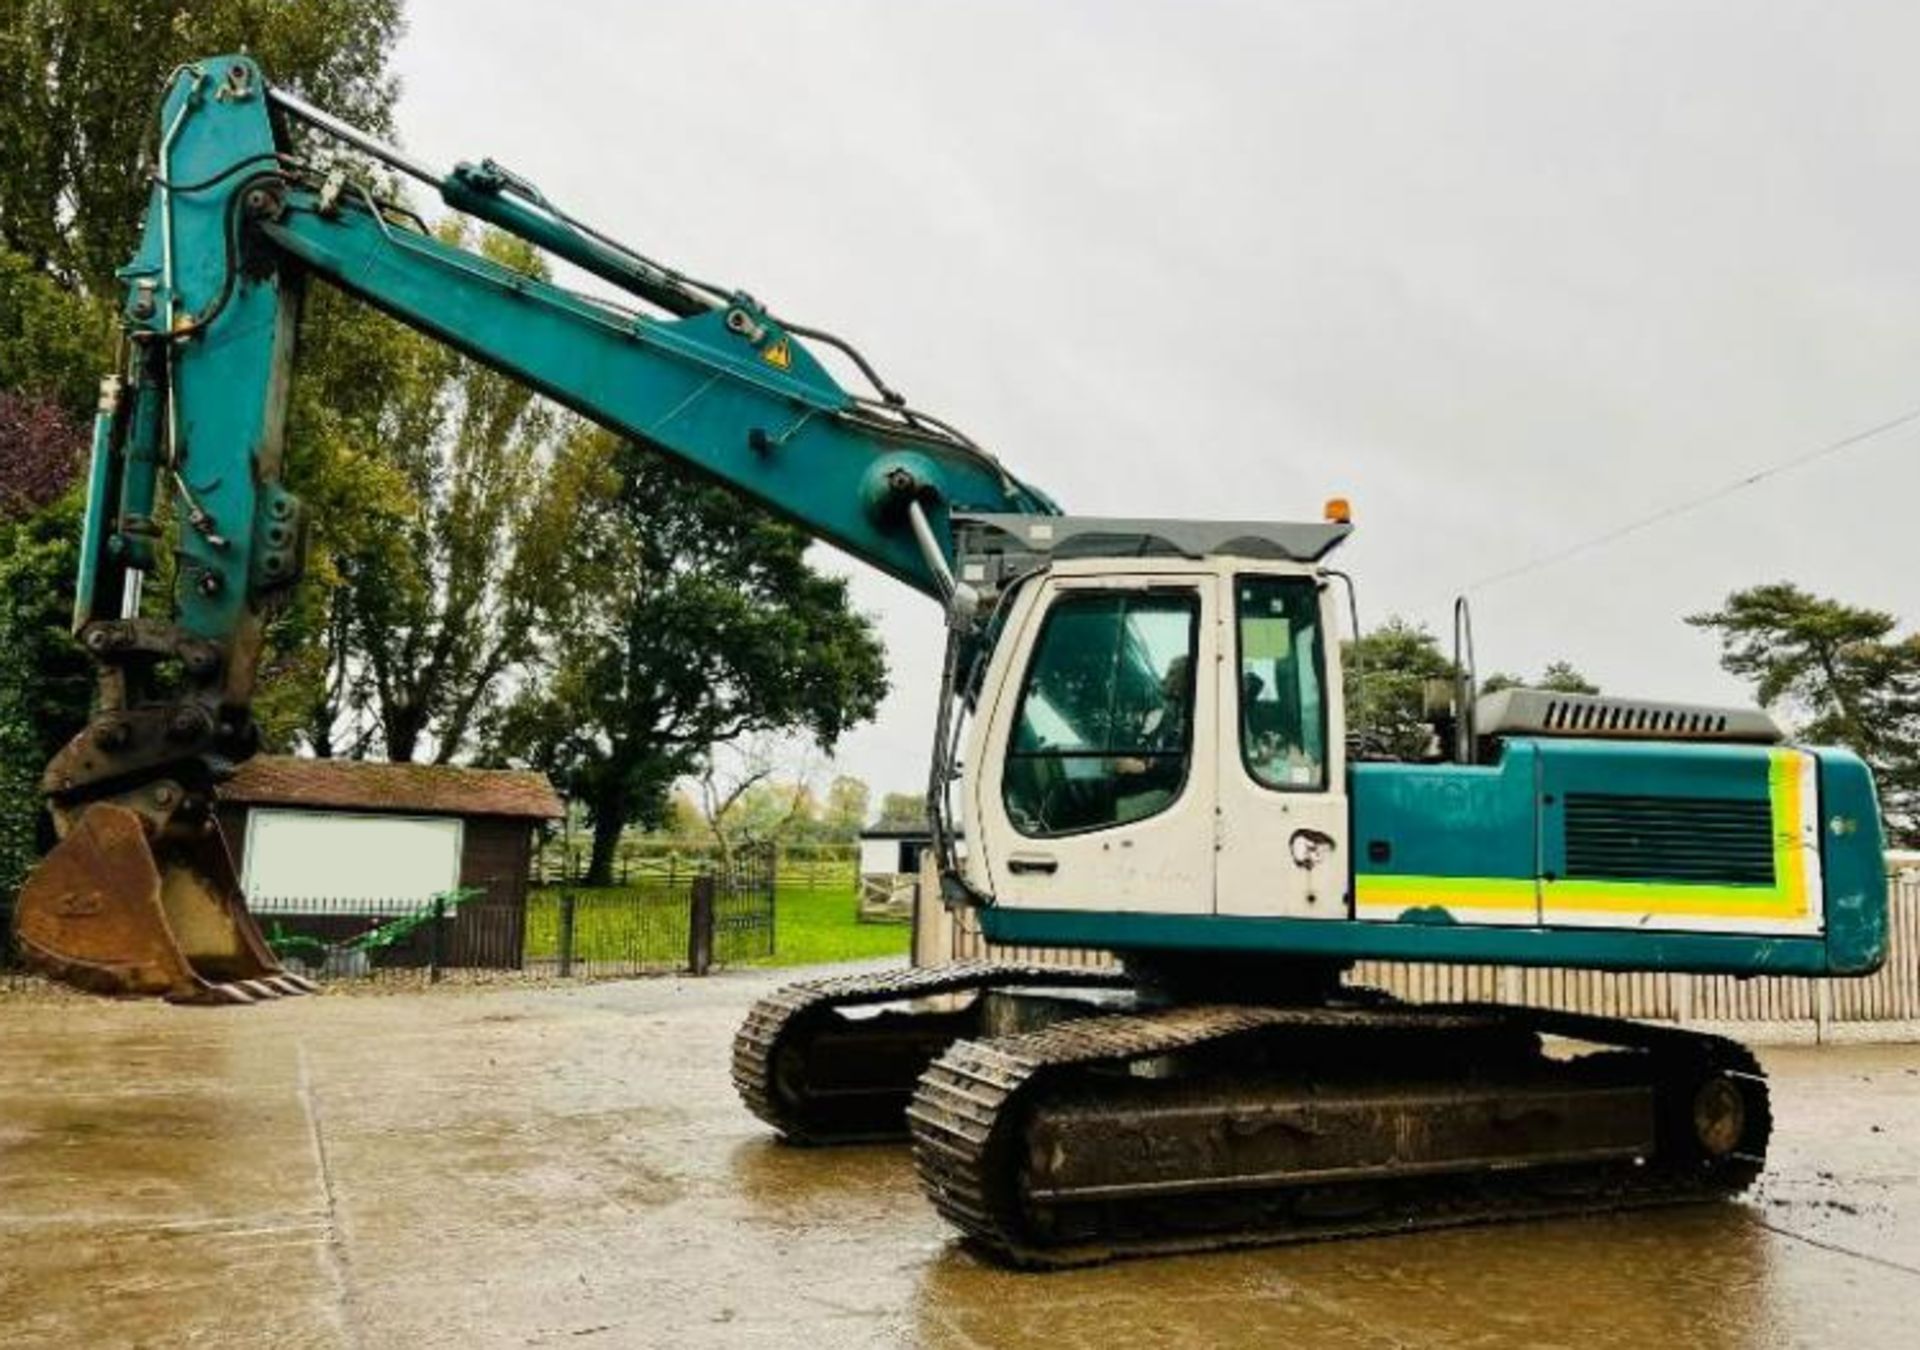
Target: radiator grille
point(1707, 840)
point(1645, 719)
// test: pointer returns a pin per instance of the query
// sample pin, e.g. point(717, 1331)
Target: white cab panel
point(1281, 756)
point(1091, 784)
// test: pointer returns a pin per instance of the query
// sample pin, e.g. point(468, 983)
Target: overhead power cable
point(1681, 508)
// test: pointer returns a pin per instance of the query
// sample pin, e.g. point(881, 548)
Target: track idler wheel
point(1719, 1116)
point(122, 906)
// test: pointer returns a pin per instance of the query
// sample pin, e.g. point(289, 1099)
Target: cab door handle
point(1023, 866)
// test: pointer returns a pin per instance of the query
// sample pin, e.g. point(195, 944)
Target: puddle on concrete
point(547, 1168)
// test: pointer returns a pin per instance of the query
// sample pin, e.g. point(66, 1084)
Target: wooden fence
point(887, 897)
point(643, 862)
point(1881, 1006)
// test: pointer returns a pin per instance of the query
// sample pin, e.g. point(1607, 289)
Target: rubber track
point(965, 1113)
point(780, 1014)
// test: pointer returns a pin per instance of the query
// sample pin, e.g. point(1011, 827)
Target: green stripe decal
point(1793, 895)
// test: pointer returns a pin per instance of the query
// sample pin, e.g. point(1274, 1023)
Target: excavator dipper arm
point(140, 896)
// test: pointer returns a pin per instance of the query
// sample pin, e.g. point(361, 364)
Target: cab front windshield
point(1104, 731)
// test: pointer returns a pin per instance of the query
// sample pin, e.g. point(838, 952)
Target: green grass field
point(816, 925)
point(643, 923)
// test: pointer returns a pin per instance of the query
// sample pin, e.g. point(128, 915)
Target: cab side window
point(1104, 733)
point(1283, 718)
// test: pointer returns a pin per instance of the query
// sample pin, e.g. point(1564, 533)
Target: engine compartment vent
point(1706, 840)
point(1542, 712)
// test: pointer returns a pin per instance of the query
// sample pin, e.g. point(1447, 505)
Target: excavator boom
point(139, 896)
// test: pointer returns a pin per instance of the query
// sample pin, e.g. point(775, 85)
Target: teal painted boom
point(1478, 869)
point(235, 228)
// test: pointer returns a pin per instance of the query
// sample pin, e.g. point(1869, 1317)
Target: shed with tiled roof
point(322, 844)
point(418, 789)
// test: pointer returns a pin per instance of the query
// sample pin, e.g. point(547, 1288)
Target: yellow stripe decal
point(1407, 892)
point(1796, 870)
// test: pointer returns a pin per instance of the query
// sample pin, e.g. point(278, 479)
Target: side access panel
point(1691, 838)
point(1448, 843)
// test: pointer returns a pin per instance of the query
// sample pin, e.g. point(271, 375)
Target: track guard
point(118, 908)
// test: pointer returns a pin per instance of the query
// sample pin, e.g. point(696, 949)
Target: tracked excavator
point(1142, 747)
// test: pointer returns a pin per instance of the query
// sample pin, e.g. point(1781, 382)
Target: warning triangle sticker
point(778, 354)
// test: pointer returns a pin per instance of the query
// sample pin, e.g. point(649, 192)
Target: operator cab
point(1158, 728)
point(1159, 761)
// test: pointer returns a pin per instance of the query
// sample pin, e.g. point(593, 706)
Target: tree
point(439, 587)
point(903, 811)
point(684, 819)
point(1559, 677)
point(1839, 675)
point(79, 83)
point(1386, 672)
point(845, 812)
point(54, 344)
point(78, 86)
point(40, 448)
point(769, 812)
point(688, 618)
point(744, 804)
point(45, 678)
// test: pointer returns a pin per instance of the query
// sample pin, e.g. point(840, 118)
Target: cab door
point(1281, 759)
point(1094, 790)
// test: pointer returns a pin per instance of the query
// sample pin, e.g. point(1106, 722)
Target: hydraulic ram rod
point(352, 135)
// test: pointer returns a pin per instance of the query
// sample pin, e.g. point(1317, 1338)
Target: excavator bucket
point(115, 910)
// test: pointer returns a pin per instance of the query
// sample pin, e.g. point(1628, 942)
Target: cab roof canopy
point(1050, 537)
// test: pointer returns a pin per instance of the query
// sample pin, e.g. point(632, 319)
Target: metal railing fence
point(695, 921)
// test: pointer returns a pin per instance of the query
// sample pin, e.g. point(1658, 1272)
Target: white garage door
point(343, 861)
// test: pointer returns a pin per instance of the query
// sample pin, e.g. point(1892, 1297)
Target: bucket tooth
point(118, 908)
point(217, 995)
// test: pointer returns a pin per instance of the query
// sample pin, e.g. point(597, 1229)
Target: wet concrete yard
point(562, 1167)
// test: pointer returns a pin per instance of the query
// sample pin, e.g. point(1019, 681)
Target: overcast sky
point(1508, 275)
